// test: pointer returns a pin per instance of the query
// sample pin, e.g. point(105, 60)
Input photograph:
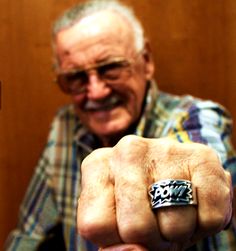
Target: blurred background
point(194, 45)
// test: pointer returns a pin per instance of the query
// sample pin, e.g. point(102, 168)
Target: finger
point(214, 201)
point(170, 161)
point(135, 219)
point(96, 218)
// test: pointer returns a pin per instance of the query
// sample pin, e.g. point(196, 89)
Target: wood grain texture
point(194, 46)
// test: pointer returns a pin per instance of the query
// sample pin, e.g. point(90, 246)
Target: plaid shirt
point(54, 190)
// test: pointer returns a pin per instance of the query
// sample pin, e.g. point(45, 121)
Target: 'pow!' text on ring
point(172, 192)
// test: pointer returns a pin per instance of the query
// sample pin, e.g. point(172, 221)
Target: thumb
point(124, 247)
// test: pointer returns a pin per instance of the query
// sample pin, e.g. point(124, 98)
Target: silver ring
point(172, 192)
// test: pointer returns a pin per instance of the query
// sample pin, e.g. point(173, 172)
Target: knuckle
point(229, 180)
point(220, 214)
point(206, 153)
point(87, 228)
point(228, 193)
point(135, 232)
point(102, 231)
point(130, 146)
point(96, 156)
point(177, 233)
point(172, 227)
point(128, 140)
point(228, 205)
point(90, 228)
point(166, 147)
point(213, 222)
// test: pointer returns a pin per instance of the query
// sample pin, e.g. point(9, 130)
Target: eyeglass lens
point(75, 81)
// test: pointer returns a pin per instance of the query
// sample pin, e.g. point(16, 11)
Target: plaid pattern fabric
point(53, 192)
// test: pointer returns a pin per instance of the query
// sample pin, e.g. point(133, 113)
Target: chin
point(110, 129)
point(109, 132)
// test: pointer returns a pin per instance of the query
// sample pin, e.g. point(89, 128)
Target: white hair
point(76, 13)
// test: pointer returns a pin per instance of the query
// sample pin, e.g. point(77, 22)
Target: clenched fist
point(114, 210)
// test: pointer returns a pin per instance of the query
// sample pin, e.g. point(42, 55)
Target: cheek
point(78, 100)
point(135, 103)
point(139, 91)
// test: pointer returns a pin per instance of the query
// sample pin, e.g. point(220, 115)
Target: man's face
point(102, 44)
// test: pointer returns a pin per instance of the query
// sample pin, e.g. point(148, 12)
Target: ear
point(148, 60)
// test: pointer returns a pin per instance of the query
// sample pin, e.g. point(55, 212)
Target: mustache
point(108, 102)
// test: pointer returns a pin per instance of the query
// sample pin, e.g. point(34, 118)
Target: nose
point(97, 88)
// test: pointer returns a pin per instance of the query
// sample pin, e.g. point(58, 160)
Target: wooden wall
point(194, 44)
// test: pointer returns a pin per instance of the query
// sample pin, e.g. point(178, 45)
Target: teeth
point(107, 103)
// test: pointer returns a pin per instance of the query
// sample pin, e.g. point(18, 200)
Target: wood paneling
point(194, 45)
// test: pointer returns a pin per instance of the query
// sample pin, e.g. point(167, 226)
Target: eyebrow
point(99, 63)
point(109, 59)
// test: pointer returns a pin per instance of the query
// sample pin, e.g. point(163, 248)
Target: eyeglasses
point(74, 82)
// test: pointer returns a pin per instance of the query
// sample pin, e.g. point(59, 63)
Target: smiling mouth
point(104, 105)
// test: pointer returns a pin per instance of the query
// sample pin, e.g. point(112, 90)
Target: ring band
point(172, 192)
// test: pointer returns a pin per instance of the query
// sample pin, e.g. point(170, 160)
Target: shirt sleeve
point(208, 123)
point(38, 211)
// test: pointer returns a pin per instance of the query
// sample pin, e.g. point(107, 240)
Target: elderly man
point(157, 181)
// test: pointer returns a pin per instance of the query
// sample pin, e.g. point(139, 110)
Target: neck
point(111, 140)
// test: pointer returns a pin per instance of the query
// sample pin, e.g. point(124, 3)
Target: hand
point(114, 206)
point(124, 247)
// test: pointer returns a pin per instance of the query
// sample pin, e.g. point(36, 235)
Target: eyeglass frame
point(125, 63)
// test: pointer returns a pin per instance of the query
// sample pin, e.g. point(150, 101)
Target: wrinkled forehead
point(107, 24)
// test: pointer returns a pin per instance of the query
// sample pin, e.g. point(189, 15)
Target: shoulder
point(66, 112)
point(63, 125)
point(176, 104)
